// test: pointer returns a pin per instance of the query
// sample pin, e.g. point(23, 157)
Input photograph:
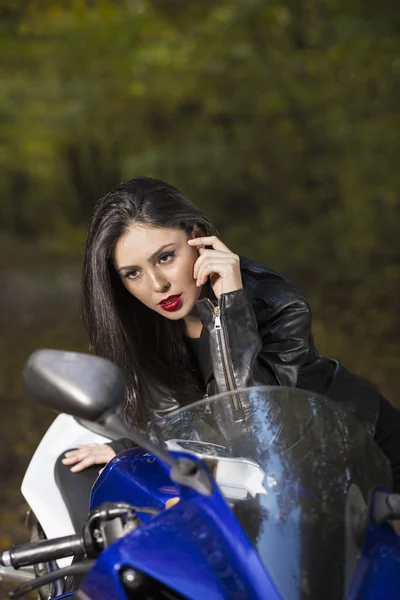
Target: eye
point(166, 258)
point(134, 274)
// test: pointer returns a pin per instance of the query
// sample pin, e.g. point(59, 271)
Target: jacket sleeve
point(387, 436)
point(121, 445)
point(265, 350)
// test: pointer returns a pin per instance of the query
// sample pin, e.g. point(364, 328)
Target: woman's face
point(156, 266)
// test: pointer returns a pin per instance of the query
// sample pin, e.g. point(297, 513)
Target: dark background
point(280, 119)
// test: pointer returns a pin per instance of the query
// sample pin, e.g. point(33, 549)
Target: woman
point(184, 317)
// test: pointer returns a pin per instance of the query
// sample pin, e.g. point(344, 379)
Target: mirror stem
point(184, 471)
point(114, 423)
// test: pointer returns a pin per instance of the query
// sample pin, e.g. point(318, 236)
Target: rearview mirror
point(81, 385)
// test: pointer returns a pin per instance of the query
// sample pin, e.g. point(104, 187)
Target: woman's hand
point(86, 455)
point(218, 263)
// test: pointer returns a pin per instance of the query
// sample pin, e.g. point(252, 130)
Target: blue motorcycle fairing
point(196, 548)
point(128, 478)
point(378, 571)
point(202, 549)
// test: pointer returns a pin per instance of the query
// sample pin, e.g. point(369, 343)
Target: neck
point(193, 327)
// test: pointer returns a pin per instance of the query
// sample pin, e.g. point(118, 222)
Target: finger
point(206, 270)
point(73, 458)
point(76, 455)
point(211, 240)
point(221, 266)
point(101, 454)
point(83, 464)
point(70, 453)
point(208, 254)
point(102, 457)
point(82, 452)
point(87, 445)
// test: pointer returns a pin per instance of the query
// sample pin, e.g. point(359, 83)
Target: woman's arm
point(86, 455)
point(387, 436)
point(246, 350)
point(267, 350)
point(121, 444)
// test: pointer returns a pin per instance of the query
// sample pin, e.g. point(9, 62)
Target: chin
point(174, 316)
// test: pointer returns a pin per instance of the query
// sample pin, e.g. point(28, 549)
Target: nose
point(159, 282)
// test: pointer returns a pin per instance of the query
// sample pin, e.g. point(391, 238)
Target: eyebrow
point(152, 257)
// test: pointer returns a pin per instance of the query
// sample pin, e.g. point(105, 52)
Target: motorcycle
point(261, 493)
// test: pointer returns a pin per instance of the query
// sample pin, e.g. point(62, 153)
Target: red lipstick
point(171, 303)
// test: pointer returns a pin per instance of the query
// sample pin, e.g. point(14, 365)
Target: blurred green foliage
point(279, 118)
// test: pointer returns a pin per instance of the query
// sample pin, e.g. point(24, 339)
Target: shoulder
point(270, 289)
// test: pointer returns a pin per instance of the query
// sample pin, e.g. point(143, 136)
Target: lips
point(171, 303)
point(170, 299)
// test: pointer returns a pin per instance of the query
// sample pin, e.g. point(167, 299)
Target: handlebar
point(42, 551)
point(105, 525)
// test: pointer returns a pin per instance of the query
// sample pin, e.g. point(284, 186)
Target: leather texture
point(267, 340)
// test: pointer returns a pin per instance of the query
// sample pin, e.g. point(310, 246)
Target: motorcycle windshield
point(297, 472)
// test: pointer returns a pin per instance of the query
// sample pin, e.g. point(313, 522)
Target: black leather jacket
point(261, 335)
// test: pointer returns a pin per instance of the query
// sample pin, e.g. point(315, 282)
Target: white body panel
point(39, 487)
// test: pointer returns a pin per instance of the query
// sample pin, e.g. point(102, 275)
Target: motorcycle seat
point(75, 489)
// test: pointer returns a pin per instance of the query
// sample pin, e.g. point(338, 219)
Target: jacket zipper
point(207, 409)
point(221, 335)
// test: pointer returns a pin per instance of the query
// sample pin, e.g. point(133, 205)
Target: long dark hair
point(149, 348)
